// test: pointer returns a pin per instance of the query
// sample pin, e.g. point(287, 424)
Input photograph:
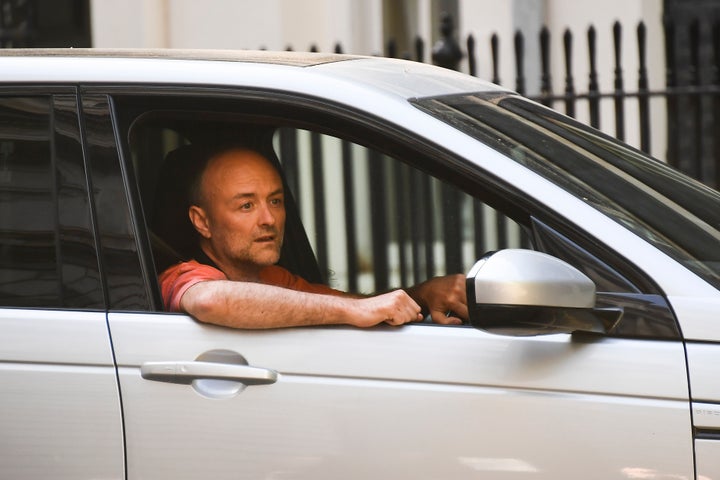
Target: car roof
point(300, 59)
point(296, 71)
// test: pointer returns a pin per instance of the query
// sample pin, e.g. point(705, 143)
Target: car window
point(365, 221)
point(370, 207)
point(672, 212)
point(47, 251)
point(376, 222)
point(121, 249)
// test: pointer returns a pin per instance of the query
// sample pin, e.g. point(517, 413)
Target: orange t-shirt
point(176, 280)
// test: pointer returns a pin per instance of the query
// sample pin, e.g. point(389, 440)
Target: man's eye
point(276, 201)
point(246, 206)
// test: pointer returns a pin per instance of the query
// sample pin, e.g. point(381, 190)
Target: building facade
point(365, 27)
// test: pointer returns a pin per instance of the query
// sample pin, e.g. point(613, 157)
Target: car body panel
point(703, 361)
point(297, 59)
point(60, 414)
point(406, 80)
point(707, 453)
point(435, 399)
point(699, 316)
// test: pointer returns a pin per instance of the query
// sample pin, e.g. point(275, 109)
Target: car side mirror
point(523, 292)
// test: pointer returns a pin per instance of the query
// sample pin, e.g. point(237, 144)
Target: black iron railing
point(692, 98)
point(691, 91)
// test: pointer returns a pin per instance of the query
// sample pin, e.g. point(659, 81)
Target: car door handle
point(187, 372)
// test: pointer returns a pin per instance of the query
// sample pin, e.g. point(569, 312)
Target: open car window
point(369, 207)
point(377, 222)
point(362, 221)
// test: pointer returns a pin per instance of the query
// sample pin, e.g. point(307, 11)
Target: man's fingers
point(460, 310)
point(401, 320)
point(446, 294)
point(402, 308)
point(442, 318)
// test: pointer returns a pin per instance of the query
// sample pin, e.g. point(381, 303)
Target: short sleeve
point(176, 280)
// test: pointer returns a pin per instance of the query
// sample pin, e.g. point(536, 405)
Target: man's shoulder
point(178, 278)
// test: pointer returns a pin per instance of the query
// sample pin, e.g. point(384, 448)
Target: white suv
point(593, 275)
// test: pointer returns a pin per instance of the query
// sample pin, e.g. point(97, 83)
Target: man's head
point(238, 208)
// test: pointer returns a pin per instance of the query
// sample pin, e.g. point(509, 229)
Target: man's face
point(244, 210)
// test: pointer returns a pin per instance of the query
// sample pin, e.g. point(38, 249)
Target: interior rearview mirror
point(524, 292)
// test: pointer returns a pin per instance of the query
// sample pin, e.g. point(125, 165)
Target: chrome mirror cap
point(524, 292)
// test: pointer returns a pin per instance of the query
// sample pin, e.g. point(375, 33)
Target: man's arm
point(254, 305)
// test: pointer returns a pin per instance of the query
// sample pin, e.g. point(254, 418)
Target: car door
point(60, 411)
point(703, 352)
point(419, 401)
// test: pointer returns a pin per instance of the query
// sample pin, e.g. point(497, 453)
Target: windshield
point(678, 215)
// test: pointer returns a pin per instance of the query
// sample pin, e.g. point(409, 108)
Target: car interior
point(161, 139)
point(173, 237)
point(418, 234)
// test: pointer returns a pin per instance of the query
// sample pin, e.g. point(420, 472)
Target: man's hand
point(393, 308)
point(444, 298)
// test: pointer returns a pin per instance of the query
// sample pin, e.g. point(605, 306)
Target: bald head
point(211, 160)
point(239, 211)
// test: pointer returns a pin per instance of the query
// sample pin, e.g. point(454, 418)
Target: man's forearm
point(253, 305)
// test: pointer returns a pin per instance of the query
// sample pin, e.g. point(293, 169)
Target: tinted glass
point(669, 210)
point(127, 289)
point(47, 254)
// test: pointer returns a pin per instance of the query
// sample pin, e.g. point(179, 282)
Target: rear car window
point(47, 252)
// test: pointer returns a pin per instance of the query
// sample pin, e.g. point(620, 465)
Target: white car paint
point(59, 401)
point(418, 401)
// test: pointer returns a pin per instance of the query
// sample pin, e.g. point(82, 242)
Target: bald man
point(238, 209)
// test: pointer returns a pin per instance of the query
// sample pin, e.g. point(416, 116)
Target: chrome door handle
point(187, 372)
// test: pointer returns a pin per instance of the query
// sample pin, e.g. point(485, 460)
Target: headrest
point(170, 219)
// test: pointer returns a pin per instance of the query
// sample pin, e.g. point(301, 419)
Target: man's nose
point(267, 216)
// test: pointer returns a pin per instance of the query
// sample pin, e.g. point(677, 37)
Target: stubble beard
point(255, 257)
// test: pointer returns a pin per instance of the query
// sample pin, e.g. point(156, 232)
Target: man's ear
point(199, 220)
